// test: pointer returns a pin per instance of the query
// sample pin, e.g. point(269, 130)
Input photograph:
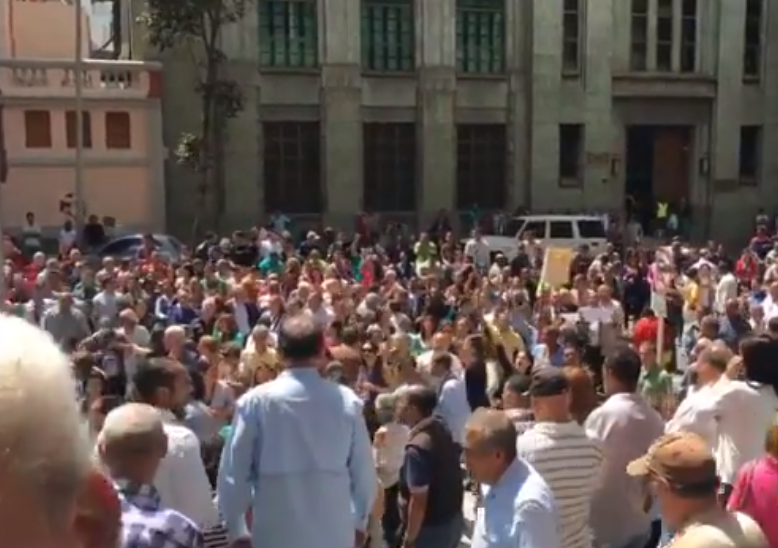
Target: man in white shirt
point(453, 406)
point(181, 479)
point(723, 413)
point(138, 339)
point(478, 250)
point(726, 289)
point(626, 426)
point(440, 343)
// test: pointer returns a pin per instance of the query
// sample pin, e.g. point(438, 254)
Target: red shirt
point(747, 268)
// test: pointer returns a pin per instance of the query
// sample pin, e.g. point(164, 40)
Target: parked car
point(561, 231)
point(125, 247)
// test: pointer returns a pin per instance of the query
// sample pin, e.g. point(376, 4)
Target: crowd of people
point(341, 390)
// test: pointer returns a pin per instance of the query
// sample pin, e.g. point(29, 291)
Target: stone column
point(602, 191)
point(436, 103)
point(341, 109)
point(769, 174)
point(517, 16)
point(243, 171)
point(727, 106)
point(546, 82)
point(243, 166)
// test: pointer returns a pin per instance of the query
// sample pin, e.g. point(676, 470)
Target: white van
point(565, 231)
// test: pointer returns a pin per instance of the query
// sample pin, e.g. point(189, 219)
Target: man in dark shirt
point(430, 478)
point(521, 261)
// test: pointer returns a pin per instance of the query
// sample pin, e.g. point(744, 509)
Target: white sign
point(659, 304)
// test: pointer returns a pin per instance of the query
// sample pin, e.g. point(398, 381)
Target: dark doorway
point(657, 169)
point(639, 191)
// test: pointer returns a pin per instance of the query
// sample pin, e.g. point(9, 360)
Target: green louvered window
point(481, 36)
point(288, 35)
point(388, 35)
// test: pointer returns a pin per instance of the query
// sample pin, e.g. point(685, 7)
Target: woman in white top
point(389, 451)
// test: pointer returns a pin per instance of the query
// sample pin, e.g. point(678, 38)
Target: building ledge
point(50, 79)
point(663, 85)
point(90, 159)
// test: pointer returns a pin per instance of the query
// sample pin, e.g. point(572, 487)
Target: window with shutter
point(37, 128)
point(118, 130)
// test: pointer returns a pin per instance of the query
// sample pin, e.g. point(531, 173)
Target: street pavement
point(468, 509)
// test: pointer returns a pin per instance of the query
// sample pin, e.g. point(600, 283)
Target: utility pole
point(79, 171)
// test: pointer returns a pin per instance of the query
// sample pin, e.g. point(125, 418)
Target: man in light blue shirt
point(453, 406)
point(518, 508)
point(299, 455)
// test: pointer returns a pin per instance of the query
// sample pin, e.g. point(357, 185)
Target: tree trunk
point(209, 209)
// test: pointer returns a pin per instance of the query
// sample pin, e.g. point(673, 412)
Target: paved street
point(469, 511)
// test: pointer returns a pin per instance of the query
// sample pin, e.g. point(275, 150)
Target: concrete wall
point(127, 184)
point(532, 98)
point(40, 29)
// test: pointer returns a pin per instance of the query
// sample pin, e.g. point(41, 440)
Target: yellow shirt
point(692, 295)
point(661, 210)
point(510, 340)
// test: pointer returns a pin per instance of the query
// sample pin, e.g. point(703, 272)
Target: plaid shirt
point(146, 525)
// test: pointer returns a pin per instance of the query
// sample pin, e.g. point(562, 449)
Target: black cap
point(548, 381)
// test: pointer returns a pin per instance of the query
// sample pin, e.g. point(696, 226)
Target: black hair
point(422, 398)
point(624, 366)
point(759, 355)
point(518, 383)
point(150, 377)
point(349, 336)
point(300, 338)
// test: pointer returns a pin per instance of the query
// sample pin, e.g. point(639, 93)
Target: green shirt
point(655, 385)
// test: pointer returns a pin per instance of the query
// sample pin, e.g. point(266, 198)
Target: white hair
point(43, 443)
point(175, 330)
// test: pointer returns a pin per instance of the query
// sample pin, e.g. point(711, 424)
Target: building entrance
point(657, 169)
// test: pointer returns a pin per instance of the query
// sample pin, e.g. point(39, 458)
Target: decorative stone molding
point(437, 79)
point(341, 77)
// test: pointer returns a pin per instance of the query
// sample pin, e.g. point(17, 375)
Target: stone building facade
point(350, 106)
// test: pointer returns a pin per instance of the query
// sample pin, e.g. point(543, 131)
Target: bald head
point(490, 430)
point(300, 339)
point(131, 428)
point(717, 355)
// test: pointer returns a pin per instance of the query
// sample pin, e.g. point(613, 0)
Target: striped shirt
point(570, 462)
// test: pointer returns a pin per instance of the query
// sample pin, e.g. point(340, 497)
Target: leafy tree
point(196, 26)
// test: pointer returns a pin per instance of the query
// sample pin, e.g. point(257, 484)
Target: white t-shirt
point(67, 237)
point(478, 250)
point(726, 289)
